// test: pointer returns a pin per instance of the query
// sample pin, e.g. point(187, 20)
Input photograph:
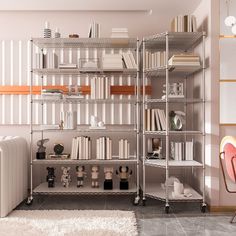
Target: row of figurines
point(123, 173)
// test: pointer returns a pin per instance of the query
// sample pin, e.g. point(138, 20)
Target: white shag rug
point(69, 223)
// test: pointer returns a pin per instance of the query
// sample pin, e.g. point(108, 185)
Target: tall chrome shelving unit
point(171, 42)
point(42, 44)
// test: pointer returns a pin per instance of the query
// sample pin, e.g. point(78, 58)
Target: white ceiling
point(157, 6)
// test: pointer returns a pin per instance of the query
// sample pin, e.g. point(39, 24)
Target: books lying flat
point(119, 33)
point(184, 60)
point(81, 148)
point(124, 149)
point(49, 127)
point(112, 61)
point(67, 66)
point(155, 120)
point(104, 148)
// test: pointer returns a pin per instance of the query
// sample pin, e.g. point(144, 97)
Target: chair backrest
point(228, 156)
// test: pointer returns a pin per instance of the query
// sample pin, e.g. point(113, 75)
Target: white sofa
point(13, 173)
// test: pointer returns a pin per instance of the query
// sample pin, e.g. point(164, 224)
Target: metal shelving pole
point(167, 123)
point(143, 130)
point(136, 201)
point(30, 198)
point(204, 120)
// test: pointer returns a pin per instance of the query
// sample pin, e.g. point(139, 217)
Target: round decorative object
point(230, 21)
point(178, 122)
point(58, 149)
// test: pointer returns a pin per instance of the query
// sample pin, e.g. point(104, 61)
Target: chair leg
point(232, 219)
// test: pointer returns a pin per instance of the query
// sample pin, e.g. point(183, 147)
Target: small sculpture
point(51, 177)
point(177, 120)
point(124, 175)
point(81, 174)
point(65, 178)
point(108, 183)
point(94, 176)
point(41, 154)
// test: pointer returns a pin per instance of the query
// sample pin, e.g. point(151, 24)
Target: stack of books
point(112, 61)
point(119, 33)
point(51, 94)
point(47, 60)
point(104, 148)
point(155, 59)
point(181, 151)
point(155, 120)
point(185, 60)
point(186, 23)
point(129, 60)
point(67, 66)
point(124, 148)
point(94, 30)
point(81, 148)
point(100, 88)
point(69, 119)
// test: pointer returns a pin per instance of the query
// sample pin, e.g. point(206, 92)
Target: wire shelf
point(174, 132)
point(175, 100)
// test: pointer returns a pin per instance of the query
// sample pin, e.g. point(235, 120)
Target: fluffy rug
point(69, 223)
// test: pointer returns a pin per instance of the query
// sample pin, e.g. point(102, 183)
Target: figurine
point(51, 177)
point(81, 174)
point(124, 175)
point(94, 176)
point(41, 154)
point(108, 183)
point(65, 178)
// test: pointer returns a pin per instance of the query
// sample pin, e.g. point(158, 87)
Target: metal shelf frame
point(171, 42)
point(85, 43)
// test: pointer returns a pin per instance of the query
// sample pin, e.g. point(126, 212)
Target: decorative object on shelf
point(170, 182)
point(81, 148)
point(58, 153)
point(94, 30)
point(94, 176)
point(57, 33)
point(65, 178)
point(186, 23)
point(124, 173)
point(176, 90)
point(51, 94)
point(95, 123)
point(47, 33)
point(73, 36)
point(124, 149)
point(177, 120)
point(81, 174)
point(230, 20)
point(180, 191)
point(51, 177)
point(69, 119)
point(74, 90)
point(108, 182)
point(41, 154)
point(104, 148)
point(154, 148)
point(119, 33)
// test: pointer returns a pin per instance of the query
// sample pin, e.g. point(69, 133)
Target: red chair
point(228, 162)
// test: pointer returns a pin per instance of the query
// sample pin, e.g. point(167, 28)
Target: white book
point(158, 126)
point(153, 120)
point(180, 152)
point(134, 65)
point(107, 148)
point(149, 145)
point(97, 93)
point(93, 88)
point(127, 61)
point(97, 149)
point(86, 148)
point(176, 151)
point(89, 148)
point(126, 149)
point(73, 156)
point(77, 148)
point(121, 156)
point(148, 119)
point(110, 148)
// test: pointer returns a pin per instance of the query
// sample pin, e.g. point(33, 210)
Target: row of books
point(181, 151)
point(48, 60)
point(119, 33)
point(124, 148)
point(155, 59)
point(184, 60)
point(155, 120)
point(68, 119)
point(184, 23)
point(100, 88)
point(81, 148)
point(94, 30)
point(67, 66)
point(129, 60)
point(51, 94)
point(104, 148)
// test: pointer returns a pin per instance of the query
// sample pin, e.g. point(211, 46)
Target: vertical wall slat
point(3, 81)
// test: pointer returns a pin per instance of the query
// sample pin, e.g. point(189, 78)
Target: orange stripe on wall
point(25, 90)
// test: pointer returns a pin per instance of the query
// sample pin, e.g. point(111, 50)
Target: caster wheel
point(29, 201)
point(203, 208)
point(167, 209)
point(136, 201)
point(144, 202)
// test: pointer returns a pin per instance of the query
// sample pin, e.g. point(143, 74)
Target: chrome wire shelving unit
point(172, 43)
point(100, 45)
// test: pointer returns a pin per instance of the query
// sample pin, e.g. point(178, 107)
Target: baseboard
point(222, 208)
